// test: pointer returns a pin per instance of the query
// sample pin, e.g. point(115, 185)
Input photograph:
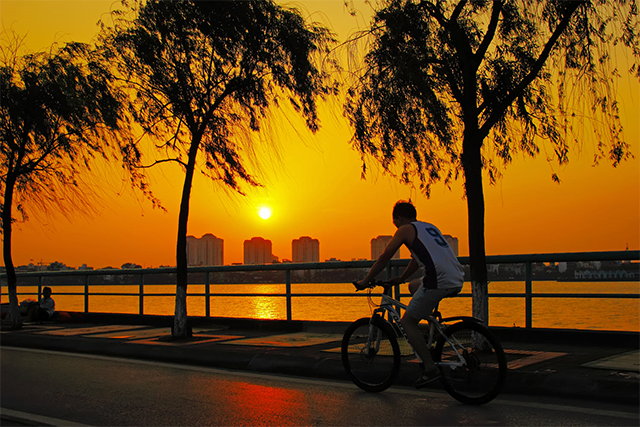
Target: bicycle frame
point(471, 360)
point(387, 305)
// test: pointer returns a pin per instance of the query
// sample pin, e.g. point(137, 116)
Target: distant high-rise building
point(207, 250)
point(258, 251)
point(379, 244)
point(305, 249)
point(453, 242)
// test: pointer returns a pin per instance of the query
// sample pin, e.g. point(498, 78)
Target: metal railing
point(392, 270)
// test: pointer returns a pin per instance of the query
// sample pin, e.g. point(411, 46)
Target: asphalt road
point(43, 387)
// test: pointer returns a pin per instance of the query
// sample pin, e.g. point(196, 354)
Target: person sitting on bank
point(45, 309)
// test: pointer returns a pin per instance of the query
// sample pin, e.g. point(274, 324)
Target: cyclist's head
point(404, 209)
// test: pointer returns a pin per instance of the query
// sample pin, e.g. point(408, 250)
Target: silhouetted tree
point(457, 87)
point(204, 76)
point(57, 111)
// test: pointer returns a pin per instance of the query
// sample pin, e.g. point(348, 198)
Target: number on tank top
point(437, 237)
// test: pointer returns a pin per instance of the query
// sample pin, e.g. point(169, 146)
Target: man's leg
point(421, 306)
point(414, 285)
point(417, 341)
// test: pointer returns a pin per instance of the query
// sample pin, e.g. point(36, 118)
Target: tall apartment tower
point(305, 249)
point(378, 246)
point(257, 251)
point(453, 242)
point(207, 250)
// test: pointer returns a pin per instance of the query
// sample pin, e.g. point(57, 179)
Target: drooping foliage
point(204, 77)
point(529, 72)
point(212, 70)
point(458, 88)
point(58, 111)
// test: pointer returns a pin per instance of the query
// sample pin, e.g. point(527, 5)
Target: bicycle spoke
point(481, 375)
point(372, 362)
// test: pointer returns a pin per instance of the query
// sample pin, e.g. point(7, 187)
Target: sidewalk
point(578, 364)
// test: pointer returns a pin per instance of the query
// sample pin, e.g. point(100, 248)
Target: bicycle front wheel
point(370, 354)
point(472, 362)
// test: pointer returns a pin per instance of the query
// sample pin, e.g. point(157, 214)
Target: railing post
point(207, 301)
point(39, 288)
point(528, 299)
point(86, 293)
point(141, 295)
point(288, 289)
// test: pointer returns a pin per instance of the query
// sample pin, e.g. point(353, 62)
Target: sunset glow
point(313, 182)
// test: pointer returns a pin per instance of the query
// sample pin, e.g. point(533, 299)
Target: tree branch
point(491, 31)
point(161, 161)
point(457, 11)
point(535, 70)
point(458, 40)
point(435, 13)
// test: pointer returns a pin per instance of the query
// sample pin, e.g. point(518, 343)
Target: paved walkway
point(591, 365)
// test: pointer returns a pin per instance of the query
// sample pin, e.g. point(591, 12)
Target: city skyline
point(208, 250)
point(313, 185)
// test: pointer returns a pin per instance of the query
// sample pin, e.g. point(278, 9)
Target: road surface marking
point(39, 419)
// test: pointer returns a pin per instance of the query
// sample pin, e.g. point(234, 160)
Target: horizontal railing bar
point(293, 295)
point(115, 294)
point(547, 295)
point(563, 295)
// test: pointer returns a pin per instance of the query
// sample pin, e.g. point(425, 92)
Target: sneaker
point(426, 378)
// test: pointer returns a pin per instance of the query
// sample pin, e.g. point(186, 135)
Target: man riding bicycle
point(442, 276)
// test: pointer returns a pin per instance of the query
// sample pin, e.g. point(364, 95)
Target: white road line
point(565, 408)
point(39, 419)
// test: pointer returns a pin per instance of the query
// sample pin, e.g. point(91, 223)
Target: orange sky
point(315, 187)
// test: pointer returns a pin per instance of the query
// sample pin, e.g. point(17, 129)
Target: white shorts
point(424, 301)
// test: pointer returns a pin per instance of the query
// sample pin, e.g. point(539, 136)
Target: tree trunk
point(472, 164)
point(14, 308)
point(180, 326)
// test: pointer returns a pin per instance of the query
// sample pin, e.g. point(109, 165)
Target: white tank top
point(440, 267)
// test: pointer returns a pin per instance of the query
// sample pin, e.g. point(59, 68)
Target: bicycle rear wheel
point(483, 374)
point(370, 354)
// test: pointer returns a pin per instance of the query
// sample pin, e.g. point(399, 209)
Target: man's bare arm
point(411, 268)
point(404, 235)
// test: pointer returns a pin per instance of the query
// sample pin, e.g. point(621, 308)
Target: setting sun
point(264, 212)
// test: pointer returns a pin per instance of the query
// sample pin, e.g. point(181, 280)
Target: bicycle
point(470, 358)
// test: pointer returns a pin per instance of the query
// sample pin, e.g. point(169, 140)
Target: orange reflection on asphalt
point(262, 405)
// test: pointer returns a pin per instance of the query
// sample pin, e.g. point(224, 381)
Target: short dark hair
point(45, 289)
point(405, 209)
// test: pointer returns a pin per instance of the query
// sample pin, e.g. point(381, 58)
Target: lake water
point(579, 313)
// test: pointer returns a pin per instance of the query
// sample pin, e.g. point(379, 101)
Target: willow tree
point(455, 89)
point(204, 77)
point(58, 111)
